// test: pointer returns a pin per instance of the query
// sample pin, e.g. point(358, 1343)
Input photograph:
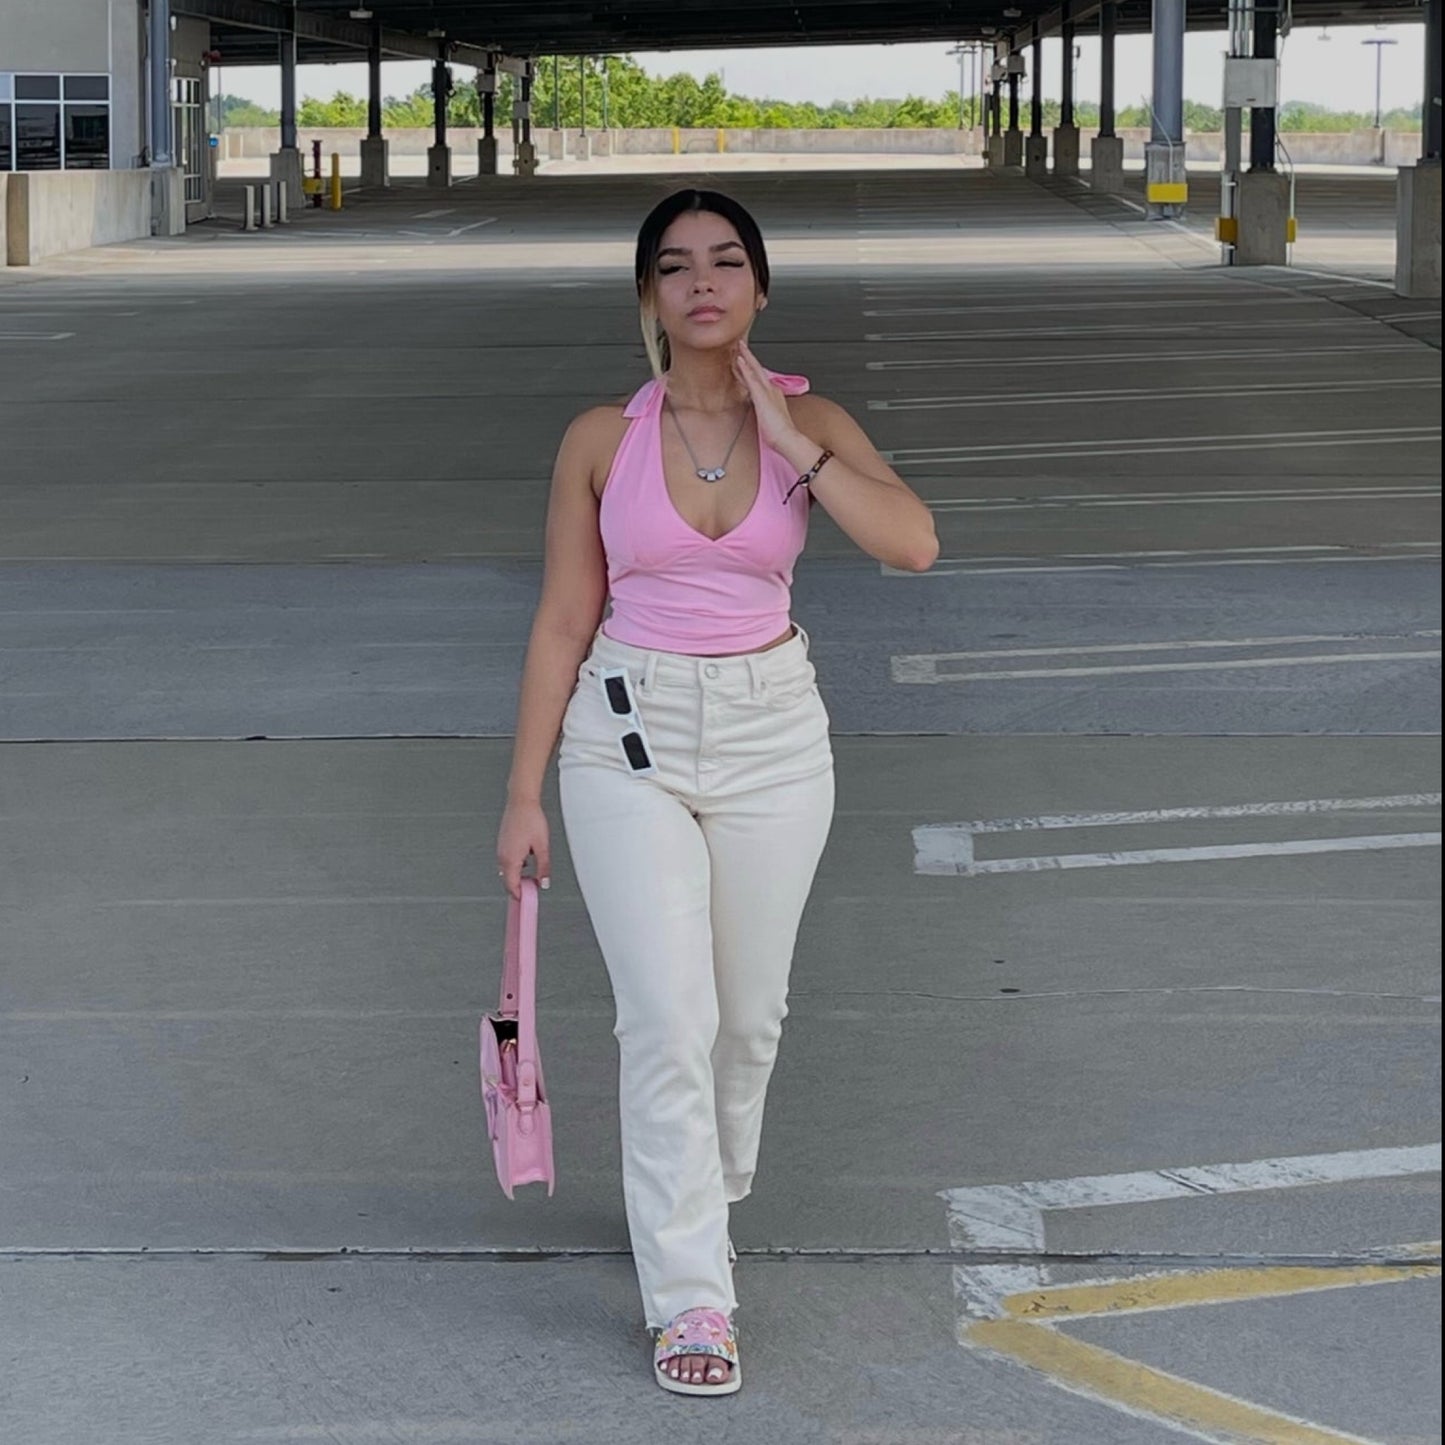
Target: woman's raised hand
point(775, 421)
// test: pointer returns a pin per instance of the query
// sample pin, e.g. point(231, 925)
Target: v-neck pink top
point(673, 588)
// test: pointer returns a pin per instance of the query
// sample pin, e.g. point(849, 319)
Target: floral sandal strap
point(700, 1331)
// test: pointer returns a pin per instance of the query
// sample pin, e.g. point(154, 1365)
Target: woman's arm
point(859, 490)
point(574, 594)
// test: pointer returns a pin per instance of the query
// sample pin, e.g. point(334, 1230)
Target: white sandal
point(700, 1331)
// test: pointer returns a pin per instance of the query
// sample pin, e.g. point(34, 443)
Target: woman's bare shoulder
point(593, 438)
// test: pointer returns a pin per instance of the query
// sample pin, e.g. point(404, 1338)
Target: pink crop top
point(674, 589)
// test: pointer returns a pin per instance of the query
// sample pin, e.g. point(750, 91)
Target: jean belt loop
point(803, 637)
point(649, 672)
point(755, 675)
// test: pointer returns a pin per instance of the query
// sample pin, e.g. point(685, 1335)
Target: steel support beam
point(1067, 105)
point(1262, 118)
point(271, 15)
point(159, 40)
point(286, 58)
point(1036, 96)
point(1164, 177)
point(373, 82)
point(1108, 31)
point(1430, 149)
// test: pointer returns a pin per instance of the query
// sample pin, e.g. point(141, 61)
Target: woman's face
point(707, 294)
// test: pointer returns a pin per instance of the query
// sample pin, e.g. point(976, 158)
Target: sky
point(1331, 67)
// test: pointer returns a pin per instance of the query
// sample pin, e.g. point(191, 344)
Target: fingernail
point(546, 883)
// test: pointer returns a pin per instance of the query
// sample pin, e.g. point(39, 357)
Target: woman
point(696, 772)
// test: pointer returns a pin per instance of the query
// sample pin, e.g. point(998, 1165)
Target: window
point(190, 136)
point(37, 137)
point(54, 122)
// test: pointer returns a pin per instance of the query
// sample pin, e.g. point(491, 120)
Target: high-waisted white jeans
point(695, 877)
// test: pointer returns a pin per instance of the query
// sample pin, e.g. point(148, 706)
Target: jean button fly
point(710, 670)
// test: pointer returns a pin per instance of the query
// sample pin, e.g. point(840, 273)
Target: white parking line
point(1110, 357)
point(1170, 304)
point(1152, 446)
point(1132, 395)
point(1288, 556)
point(923, 668)
point(1233, 497)
point(35, 336)
point(947, 849)
point(1351, 321)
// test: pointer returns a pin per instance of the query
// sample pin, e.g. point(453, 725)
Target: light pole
point(1379, 43)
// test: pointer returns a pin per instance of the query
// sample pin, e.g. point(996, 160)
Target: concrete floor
point(1134, 874)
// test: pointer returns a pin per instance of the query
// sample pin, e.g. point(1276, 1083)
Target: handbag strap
point(519, 987)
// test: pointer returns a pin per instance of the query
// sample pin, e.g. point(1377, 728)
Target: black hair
point(649, 243)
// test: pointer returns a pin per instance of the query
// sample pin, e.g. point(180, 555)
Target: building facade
point(74, 91)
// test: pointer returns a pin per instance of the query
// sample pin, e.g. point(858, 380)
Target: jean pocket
point(785, 696)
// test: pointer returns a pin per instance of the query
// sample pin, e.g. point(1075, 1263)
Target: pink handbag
point(519, 1121)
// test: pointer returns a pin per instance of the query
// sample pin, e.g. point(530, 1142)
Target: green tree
point(341, 110)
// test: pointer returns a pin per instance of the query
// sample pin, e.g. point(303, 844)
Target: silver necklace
point(707, 474)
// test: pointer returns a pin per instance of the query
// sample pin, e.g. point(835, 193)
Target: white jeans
point(695, 876)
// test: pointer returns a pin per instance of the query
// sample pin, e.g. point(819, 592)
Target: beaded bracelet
point(808, 476)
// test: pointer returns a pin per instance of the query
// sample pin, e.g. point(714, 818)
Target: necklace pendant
point(712, 474)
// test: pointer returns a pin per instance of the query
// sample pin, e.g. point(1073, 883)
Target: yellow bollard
point(677, 140)
point(335, 181)
point(722, 140)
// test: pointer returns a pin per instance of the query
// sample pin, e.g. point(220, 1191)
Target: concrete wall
point(128, 125)
point(1359, 148)
point(59, 36)
point(51, 212)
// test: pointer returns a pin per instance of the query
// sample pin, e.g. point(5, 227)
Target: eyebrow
point(687, 251)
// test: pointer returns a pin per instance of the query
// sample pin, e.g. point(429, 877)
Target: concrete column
point(1066, 133)
point(524, 163)
point(1036, 148)
point(1107, 157)
point(286, 163)
point(582, 147)
point(1165, 185)
point(1417, 230)
point(1013, 139)
point(1262, 217)
point(1066, 150)
point(487, 141)
point(374, 168)
point(439, 153)
point(1106, 154)
point(1431, 124)
point(1417, 224)
point(556, 145)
